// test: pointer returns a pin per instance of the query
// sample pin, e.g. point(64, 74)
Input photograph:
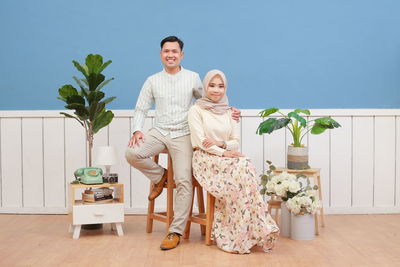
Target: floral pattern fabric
point(241, 220)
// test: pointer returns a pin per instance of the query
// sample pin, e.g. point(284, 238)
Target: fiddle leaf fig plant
point(297, 125)
point(88, 103)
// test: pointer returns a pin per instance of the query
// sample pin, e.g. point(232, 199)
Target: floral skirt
point(241, 220)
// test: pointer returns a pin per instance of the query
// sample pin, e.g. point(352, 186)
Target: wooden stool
point(205, 219)
point(274, 203)
point(316, 175)
point(169, 214)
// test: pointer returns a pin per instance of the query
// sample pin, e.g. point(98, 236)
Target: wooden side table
point(81, 213)
point(314, 173)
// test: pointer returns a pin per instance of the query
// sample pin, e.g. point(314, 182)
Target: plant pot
point(297, 158)
point(285, 220)
point(302, 227)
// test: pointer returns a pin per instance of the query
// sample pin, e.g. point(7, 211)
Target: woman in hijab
point(240, 219)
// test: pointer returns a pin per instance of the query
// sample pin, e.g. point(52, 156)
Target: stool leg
point(200, 203)
point(210, 217)
point(150, 212)
point(186, 233)
point(318, 179)
point(170, 194)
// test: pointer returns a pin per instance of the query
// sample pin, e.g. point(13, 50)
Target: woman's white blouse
point(203, 123)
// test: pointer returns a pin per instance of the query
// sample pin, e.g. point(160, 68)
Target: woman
point(240, 219)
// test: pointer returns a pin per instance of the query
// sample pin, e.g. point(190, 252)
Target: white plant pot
point(302, 227)
point(285, 220)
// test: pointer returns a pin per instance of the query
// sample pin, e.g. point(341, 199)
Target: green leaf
point(80, 110)
point(66, 91)
point(317, 129)
point(104, 65)
point(75, 99)
point(104, 83)
point(299, 118)
point(81, 68)
point(272, 124)
point(103, 120)
point(304, 111)
point(263, 191)
point(94, 80)
point(95, 96)
point(268, 111)
point(79, 82)
point(108, 100)
point(94, 63)
point(95, 110)
point(327, 122)
point(70, 116)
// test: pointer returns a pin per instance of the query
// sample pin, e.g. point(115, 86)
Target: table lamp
point(106, 156)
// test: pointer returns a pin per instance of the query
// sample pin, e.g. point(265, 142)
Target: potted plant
point(298, 126)
point(88, 103)
point(303, 206)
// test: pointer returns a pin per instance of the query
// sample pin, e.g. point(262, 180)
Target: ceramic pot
point(302, 227)
point(297, 158)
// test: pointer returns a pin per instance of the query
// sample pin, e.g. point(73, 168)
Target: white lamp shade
point(106, 155)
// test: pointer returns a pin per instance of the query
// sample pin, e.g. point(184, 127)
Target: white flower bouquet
point(283, 185)
point(304, 202)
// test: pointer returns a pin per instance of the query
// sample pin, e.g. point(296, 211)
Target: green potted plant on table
point(88, 103)
point(298, 126)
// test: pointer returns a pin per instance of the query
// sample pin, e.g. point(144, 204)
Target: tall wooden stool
point(204, 218)
point(314, 173)
point(169, 214)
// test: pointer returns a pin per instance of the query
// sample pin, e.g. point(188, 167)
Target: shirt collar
point(173, 75)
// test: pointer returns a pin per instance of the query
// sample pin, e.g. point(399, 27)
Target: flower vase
point(285, 220)
point(303, 227)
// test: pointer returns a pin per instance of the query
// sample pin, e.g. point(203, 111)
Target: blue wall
point(289, 54)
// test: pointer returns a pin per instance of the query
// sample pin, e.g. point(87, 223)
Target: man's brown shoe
point(158, 187)
point(170, 241)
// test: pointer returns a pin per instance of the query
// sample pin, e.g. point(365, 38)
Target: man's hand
point(232, 154)
point(137, 138)
point(235, 114)
point(210, 142)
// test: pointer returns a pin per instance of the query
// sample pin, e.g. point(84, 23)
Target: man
point(172, 91)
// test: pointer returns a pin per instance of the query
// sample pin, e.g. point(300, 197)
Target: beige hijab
point(205, 103)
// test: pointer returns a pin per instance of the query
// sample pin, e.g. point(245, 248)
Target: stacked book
point(97, 195)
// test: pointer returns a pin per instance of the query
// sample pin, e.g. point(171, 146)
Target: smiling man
point(173, 91)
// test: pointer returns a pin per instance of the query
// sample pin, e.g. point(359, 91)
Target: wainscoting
point(360, 162)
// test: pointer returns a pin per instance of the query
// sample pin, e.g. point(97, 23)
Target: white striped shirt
point(172, 94)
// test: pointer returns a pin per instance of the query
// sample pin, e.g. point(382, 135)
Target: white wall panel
point(75, 150)
point(11, 146)
point(54, 162)
point(397, 181)
point(119, 135)
point(319, 157)
point(341, 157)
point(363, 161)
point(384, 175)
point(275, 147)
point(252, 143)
point(359, 162)
point(32, 158)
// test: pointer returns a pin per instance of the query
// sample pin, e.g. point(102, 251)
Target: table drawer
point(100, 213)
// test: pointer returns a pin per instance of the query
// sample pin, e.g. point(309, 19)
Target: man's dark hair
point(172, 39)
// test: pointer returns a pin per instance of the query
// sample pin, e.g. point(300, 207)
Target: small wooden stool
point(169, 214)
point(205, 219)
point(316, 175)
point(274, 203)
